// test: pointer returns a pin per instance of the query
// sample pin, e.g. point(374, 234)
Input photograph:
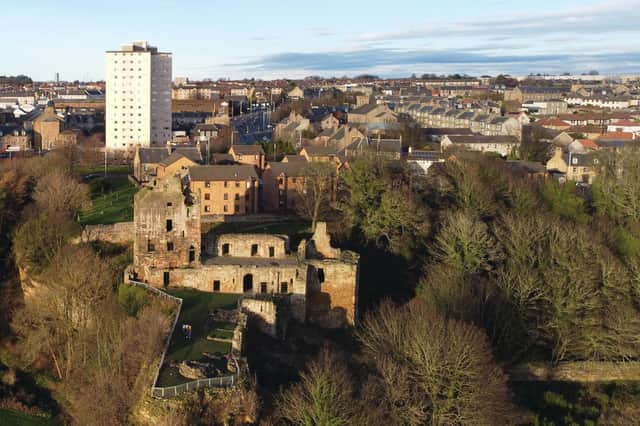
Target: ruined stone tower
point(167, 230)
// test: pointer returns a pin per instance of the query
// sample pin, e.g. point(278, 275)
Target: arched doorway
point(247, 283)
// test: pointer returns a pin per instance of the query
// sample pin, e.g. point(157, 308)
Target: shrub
point(132, 298)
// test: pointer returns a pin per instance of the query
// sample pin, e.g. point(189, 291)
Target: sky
point(287, 39)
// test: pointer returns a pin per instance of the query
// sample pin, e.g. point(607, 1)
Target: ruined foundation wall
point(117, 233)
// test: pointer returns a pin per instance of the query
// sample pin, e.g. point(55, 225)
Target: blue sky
point(282, 38)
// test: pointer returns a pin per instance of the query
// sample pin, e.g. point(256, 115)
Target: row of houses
point(487, 124)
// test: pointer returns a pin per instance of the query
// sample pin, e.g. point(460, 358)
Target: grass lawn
point(119, 169)
point(112, 201)
point(14, 418)
point(195, 310)
point(296, 230)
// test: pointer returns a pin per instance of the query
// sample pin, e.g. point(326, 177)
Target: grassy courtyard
point(196, 306)
point(112, 201)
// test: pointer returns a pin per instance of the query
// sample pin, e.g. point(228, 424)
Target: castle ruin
point(318, 283)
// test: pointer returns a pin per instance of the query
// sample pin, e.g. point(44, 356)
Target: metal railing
point(220, 382)
point(172, 391)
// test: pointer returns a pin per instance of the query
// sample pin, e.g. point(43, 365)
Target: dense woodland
point(464, 273)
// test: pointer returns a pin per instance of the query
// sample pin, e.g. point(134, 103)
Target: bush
point(132, 298)
point(563, 201)
point(626, 244)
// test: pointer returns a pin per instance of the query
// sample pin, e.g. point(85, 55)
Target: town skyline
point(223, 41)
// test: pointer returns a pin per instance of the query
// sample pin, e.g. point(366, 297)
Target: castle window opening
point(272, 251)
point(284, 288)
point(247, 283)
point(225, 248)
point(192, 254)
point(254, 249)
point(321, 275)
point(263, 287)
point(169, 246)
point(150, 246)
point(216, 285)
point(169, 225)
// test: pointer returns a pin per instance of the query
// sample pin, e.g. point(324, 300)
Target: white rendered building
point(138, 98)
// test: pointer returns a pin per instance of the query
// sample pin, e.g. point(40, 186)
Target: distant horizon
point(217, 40)
point(356, 77)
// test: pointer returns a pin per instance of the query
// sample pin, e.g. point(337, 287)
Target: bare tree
point(433, 370)
point(316, 191)
point(324, 395)
point(58, 191)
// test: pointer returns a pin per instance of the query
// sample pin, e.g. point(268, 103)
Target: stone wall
point(263, 314)
point(118, 233)
point(231, 277)
point(586, 371)
point(332, 293)
point(240, 245)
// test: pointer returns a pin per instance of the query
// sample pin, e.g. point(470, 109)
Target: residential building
point(574, 167)
point(46, 128)
point(225, 190)
point(283, 184)
point(138, 98)
point(248, 154)
point(502, 145)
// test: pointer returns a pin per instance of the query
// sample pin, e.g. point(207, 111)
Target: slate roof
point(320, 150)
point(191, 152)
point(153, 155)
point(294, 168)
point(219, 172)
point(481, 139)
point(295, 158)
point(247, 149)
point(365, 109)
point(175, 156)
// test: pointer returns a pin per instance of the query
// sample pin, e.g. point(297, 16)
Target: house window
point(237, 184)
point(226, 209)
point(237, 197)
point(225, 183)
point(226, 196)
point(216, 285)
point(272, 251)
point(207, 196)
point(207, 184)
point(263, 287)
point(169, 204)
point(284, 287)
point(225, 248)
point(169, 246)
point(254, 249)
point(169, 225)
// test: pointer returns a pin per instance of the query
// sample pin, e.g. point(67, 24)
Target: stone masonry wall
point(240, 245)
point(231, 278)
point(117, 233)
point(262, 313)
point(332, 292)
